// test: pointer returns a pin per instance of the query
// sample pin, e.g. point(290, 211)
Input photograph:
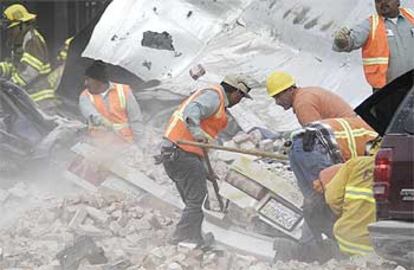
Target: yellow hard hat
point(17, 14)
point(278, 82)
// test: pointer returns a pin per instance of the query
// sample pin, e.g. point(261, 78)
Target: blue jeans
point(306, 166)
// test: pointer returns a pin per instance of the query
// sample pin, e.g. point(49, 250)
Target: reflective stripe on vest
point(351, 135)
point(358, 193)
point(178, 115)
point(375, 52)
point(118, 118)
point(210, 126)
point(352, 248)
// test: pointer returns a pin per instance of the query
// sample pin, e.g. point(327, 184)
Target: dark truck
point(391, 113)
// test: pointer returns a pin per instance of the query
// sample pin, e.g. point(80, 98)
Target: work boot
point(204, 244)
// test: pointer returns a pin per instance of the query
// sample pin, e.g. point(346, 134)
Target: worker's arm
point(89, 111)
point(135, 118)
point(200, 108)
point(33, 62)
point(307, 113)
point(352, 39)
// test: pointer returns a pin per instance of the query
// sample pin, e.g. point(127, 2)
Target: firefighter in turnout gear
point(28, 64)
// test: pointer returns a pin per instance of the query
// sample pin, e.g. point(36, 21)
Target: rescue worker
point(320, 145)
point(345, 209)
point(110, 108)
point(28, 65)
point(324, 143)
point(308, 103)
point(347, 190)
point(387, 42)
point(201, 117)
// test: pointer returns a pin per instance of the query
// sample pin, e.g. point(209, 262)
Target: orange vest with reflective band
point(115, 113)
point(212, 126)
point(351, 135)
point(376, 52)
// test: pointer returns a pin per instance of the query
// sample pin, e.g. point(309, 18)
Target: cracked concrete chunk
point(78, 218)
point(159, 41)
point(97, 215)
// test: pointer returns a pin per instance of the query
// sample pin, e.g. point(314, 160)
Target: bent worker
point(28, 65)
point(346, 208)
point(320, 145)
point(110, 108)
point(308, 103)
point(201, 117)
point(387, 42)
point(349, 195)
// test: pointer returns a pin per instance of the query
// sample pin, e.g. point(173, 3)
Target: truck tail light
point(382, 174)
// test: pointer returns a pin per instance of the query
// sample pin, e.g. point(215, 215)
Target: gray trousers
point(189, 175)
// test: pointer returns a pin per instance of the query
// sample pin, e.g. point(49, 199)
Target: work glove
point(342, 38)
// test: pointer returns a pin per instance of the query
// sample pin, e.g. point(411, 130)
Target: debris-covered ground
point(110, 231)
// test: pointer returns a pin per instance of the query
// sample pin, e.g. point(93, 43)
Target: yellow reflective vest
point(350, 196)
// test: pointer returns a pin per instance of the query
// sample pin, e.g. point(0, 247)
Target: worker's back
point(315, 103)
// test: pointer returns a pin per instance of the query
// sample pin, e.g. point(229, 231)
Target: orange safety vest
point(115, 114)
point(177, 129)
point(351, 135)
point(376, 52)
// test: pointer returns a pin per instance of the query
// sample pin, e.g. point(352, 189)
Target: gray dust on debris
point(159, 41)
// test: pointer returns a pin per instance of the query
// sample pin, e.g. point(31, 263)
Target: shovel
point(212, 177)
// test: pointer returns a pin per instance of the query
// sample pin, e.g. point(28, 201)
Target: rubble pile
point(257, 139)
point(105, 231)
point(110, 230)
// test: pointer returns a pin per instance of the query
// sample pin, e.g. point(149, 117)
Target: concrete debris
point(241, 138)
point(97, 215)
point(78, 218)
point(131, 233)
point(266, 145)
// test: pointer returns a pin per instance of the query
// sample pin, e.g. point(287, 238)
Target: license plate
point(407, 194)
point(280, 214)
